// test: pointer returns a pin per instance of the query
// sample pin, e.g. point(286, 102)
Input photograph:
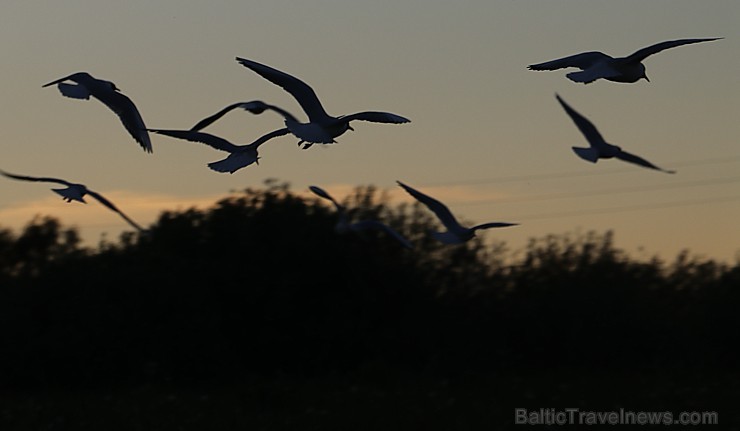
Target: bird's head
point(112, 86)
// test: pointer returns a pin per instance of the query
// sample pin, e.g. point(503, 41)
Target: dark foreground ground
point(372, 401)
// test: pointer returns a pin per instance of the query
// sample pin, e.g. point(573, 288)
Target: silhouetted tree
point(260, 286)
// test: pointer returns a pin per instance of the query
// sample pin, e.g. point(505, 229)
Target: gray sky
point(487, 135)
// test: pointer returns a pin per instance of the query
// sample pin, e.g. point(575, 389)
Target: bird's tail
point(590, 154)
point(224, 165)
point(585, 77)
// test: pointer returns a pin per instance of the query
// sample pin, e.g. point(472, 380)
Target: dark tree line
point(260, 287)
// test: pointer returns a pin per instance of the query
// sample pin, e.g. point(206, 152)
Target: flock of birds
point(323, 128)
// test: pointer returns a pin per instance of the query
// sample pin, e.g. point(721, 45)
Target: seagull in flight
point(456, 233)
point(105, 91)
point(321, 127)
point(599, 148)
point(597, 65)
point(255, 107)
point(343, 225)
point(240, 156)
point(75, 192)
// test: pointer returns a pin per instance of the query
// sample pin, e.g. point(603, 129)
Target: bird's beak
point(350, 128)
point(646, 78)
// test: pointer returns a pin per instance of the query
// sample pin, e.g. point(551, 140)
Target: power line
point(618, 190)
point(575, 174)
point(626, 208)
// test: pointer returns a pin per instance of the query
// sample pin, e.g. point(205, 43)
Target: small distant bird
point(597, 65)
point(321, 128)
point(241, 155)
point(599, 148)
point(107, 92)
point(75, 192)
point(456, 233)
point(343, 225)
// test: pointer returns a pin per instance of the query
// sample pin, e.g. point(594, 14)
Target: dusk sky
point(487, 136)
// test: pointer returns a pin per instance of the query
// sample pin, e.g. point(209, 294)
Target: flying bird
point(597, 65)
point(240, 155)
point(456, 233)
point(343, 225)
point(75, 192)
point(321, 127)
point(599, 148)
point(105, 91)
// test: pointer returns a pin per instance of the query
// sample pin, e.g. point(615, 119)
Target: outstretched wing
point(654, 49)
point(301, 91)
point(438, 208)
point(493, 225)
point(202, 137)
point(266, 137)
point(112, 207)
point(376, 225)
point(376, 117)
point(40, 179)
point(318, 191)
point(129, 115)
point(592, 135)
point(76, 77)
point(202, 124)
point(631, 158)
point(74, 91)
point(583, 60)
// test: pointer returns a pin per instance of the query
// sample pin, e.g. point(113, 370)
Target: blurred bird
point(241, 155)
point(343, 225)
point(107, 92)
point(599, 148)
point(596, 65)
point(456, 233)
point(75, 192)
point(321, 128)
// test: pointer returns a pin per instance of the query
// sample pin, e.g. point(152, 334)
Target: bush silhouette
point(260, 286)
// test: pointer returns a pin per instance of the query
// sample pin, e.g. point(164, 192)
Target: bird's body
point(596, 65)
point(75, 192)
point(240, 155)
point(455, 233)
point(344, 226)
point(106, 92)
point(598, 147)
point(321, 127)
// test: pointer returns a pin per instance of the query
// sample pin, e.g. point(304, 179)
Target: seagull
point(255, 107)
point(75, 192)
point(456, 233)
point(343, 225)
point(599, 148)
point(241, 155)
point(595, 65)
point(321, 127)
point(107, 92)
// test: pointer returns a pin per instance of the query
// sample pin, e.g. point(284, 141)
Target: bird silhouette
point(321, 128)
point(240, 155)
point(456, 233)
point(343, 225)
point(599, 148)
point(107, 92)
point(597, 65)
point(75, 192)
